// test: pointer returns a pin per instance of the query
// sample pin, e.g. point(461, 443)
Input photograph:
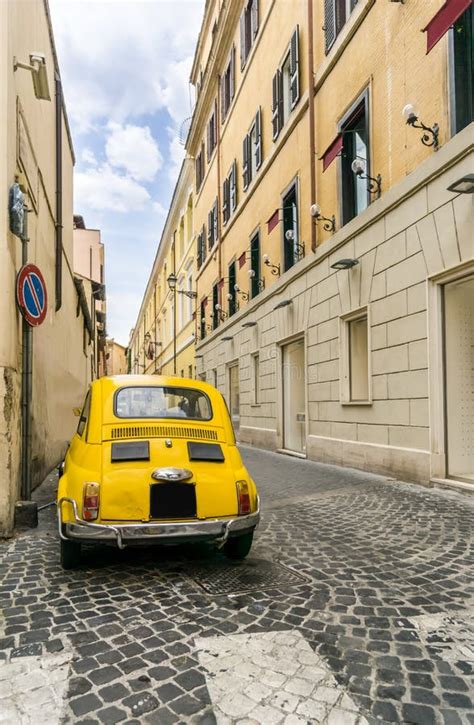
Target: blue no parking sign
point(31, 295)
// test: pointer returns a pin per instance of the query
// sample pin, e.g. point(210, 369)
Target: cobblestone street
point(356, 605)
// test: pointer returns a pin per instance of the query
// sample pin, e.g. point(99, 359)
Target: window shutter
point(203, 242)
point(245, 164)
point(232, 73)
point(216, 221)
point(254, 18)
point(243, 49)
point(199, 255)
point(329, 23)
point(210, 227)
point(294, 69)
point(233, 187)
point(225, 201)
point(276, 105)
point(214, 119)
point(222, 98)
point(258, 135)
point(209, 150)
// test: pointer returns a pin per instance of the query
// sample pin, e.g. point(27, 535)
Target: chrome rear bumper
point(216, 529)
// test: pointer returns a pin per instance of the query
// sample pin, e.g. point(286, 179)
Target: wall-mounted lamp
point(172, 281)
point(464, 185)
point(330, 222)
point(274, 268)
point(220, 312)
point(344, 263)
point(198, 356)
point(283, 303)
point(244, 295)
point(37, 66)
point(227, 338)
point(375, 183)
point(260, 282)
point(249, 324)
point(297, 247)
point(430, 136)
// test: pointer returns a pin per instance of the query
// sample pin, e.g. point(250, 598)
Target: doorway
point(294, 397)
point(234, 395)
point(459, 377)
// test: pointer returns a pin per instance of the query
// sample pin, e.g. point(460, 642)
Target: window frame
point(199, 164)
point(345, 379)
point(84, 416)
point(252, 150)
point(453, 105)
point(232, 306)
point(291, 56)
point(249, 25)
point(227, 85)
point(256, 377)
point(255, 288)
point(166, 387)
point(212, 133)
point(345, 179)
point(292, 187)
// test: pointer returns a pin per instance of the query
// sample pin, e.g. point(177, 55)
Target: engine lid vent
point(162, 431)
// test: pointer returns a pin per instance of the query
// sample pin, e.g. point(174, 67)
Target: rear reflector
point(90, 502)
point(243, 497)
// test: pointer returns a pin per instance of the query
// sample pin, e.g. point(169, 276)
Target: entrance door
point(234, 396)
point(459, 372)
point(294, 387)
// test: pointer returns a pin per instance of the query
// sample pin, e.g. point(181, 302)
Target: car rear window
point(162, 402)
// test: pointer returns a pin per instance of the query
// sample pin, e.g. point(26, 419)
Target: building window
point(201, 247)
point(336, 13)
point(199, 168)
point(255, 265)
point(215, 302)
point(291, 254)
point(286, 86)
point(248, 30)
point(228, 85)
point(232, 295)
point(214, 377)
point(202, 318)
point(256, 378)
point(462, 65)
point(355, 360)
point(212, 226)
point(252, 150)
point(190, 371)
point(212, 132)
point(190, 299)
point(229, 195)
point(355, 145)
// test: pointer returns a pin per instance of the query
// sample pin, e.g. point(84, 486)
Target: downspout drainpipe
point(219, 199)
point(26, 384)
point(59, 191)
point(312, 149)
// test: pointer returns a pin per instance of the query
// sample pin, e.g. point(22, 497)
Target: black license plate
point(173, 501)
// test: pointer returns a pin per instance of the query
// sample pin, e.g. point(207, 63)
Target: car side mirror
point(77, 412)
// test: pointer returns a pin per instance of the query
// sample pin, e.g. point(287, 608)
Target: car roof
point(114, 382)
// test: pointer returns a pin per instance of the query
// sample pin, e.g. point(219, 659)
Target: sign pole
point(26, 383)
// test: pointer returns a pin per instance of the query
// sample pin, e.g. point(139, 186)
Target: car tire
point(239, 546)
point(70, 554)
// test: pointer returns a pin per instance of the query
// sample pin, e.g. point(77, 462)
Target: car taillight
point(243, 497)
point(90, 501)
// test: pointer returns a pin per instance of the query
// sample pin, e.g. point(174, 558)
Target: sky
point(125, 68)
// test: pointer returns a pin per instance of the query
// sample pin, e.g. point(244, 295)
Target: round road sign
point(31, 295)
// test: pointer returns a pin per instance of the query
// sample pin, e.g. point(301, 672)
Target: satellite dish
point(184, 130)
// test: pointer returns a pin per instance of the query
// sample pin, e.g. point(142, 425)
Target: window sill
point(356, 402)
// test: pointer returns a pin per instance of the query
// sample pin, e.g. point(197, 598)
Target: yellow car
point(154, 460)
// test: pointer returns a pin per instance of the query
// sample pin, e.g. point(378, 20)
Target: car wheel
point(239, 546)
point(70, 554)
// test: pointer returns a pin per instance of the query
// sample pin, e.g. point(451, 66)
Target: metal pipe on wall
point(59, 192)
point(26, 383)
point(312, 145)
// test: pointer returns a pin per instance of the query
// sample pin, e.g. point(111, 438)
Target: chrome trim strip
point(218, 528)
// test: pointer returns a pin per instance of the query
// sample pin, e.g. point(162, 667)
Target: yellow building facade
point(162, 340)
point(333, 233)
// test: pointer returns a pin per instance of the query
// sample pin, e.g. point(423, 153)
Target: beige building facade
point(335, 289)
point(116, 356)
point(38, 152)
point(163, 338)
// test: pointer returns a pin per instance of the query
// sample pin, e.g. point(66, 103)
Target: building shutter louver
point(254, 19)
point(276, 105)
point(258, 135)
point(216, 221)
point(294, 68)
point(233, 187)
point(243, 48)
point(245, 161)
point(203, 242)
point(223, 107)
point(329, 23)
point(232, 74)
point(210, 228)
point(225, 201)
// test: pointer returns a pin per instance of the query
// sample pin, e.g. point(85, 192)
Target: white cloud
point(88, 157)
point(102, 189)
point(122, 60)
point(134, 149)
point(177, 153)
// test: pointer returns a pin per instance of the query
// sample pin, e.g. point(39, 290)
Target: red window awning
point(273, 221)
point(242, 260)
point(332, 151)
point(444, 18)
